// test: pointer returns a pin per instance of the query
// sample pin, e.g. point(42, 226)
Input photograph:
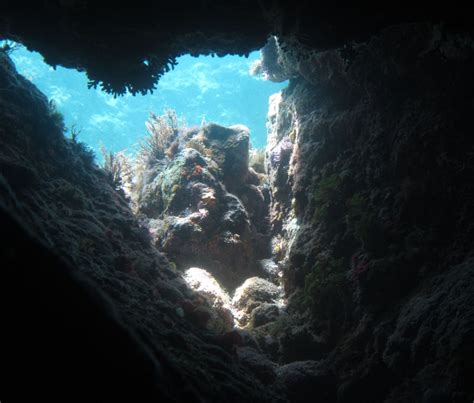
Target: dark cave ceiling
point(128, 47)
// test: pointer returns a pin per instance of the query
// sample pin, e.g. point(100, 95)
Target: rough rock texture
point(62, 338)
point(254, 292)
point(204, 206)
point(258, 364)
point(371, 166)
point(220, 317)
point(132, 339)
point(263, 314)
point(304, 381)
point(128, 48)
point(370, 162)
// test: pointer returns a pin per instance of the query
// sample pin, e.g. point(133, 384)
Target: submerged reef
point(204, 206)
point(207, 209)
point(338, 268)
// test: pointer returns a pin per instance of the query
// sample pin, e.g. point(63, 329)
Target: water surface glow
point(206, 88)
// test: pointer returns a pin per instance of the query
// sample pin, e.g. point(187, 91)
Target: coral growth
point(117, 168)
point(370, 168)
point(160, 141)
point(203, 206)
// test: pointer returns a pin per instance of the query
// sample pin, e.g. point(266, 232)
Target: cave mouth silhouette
point(200, 89)
point(232, 85)
point(373, 356)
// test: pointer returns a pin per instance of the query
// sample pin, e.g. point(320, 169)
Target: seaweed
point(8, 47)
point(82, 150)
point(257, 160)
point(56, 117)
point(327, 193)
point(117, 167)
point(161, 140)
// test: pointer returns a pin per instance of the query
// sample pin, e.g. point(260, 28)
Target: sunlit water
point(200, 89)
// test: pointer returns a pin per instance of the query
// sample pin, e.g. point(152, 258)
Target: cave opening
point(197, 180)
point(368, 193)
point(221, 89)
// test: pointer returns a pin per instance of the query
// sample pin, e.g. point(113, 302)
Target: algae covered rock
point(230, 150)
point(221, 319)
point(253, 293)
point(257, 363)
point(369, 199)
point(270, 268)
point(204, 207)
point(263, 314)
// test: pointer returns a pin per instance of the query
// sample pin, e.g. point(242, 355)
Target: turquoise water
point(205, 88)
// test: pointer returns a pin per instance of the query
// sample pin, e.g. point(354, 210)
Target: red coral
point(197, 170)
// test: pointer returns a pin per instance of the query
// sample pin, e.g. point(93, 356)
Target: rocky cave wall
point(89, 306)
point(370, 158)
point(128, 47)
point(370, 161)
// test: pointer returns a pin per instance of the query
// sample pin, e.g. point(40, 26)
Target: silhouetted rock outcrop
point(370, 167)
point(129, 48)
point(90, 309)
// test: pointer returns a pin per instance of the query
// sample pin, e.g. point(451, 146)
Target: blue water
point(215, 89)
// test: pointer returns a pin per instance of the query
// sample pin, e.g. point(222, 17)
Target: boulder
point(200, 208)
point(230, 149)
point(263, 314)
point(250, 295)
point(221, 319)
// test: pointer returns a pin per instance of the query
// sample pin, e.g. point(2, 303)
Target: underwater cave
point(236, 201)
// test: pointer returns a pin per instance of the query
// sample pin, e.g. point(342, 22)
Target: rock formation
point(130, 48)
point(370, 165)
point(90, 307)
point(205, 207)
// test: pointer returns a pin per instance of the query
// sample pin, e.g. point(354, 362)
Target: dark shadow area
point(368, 168)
